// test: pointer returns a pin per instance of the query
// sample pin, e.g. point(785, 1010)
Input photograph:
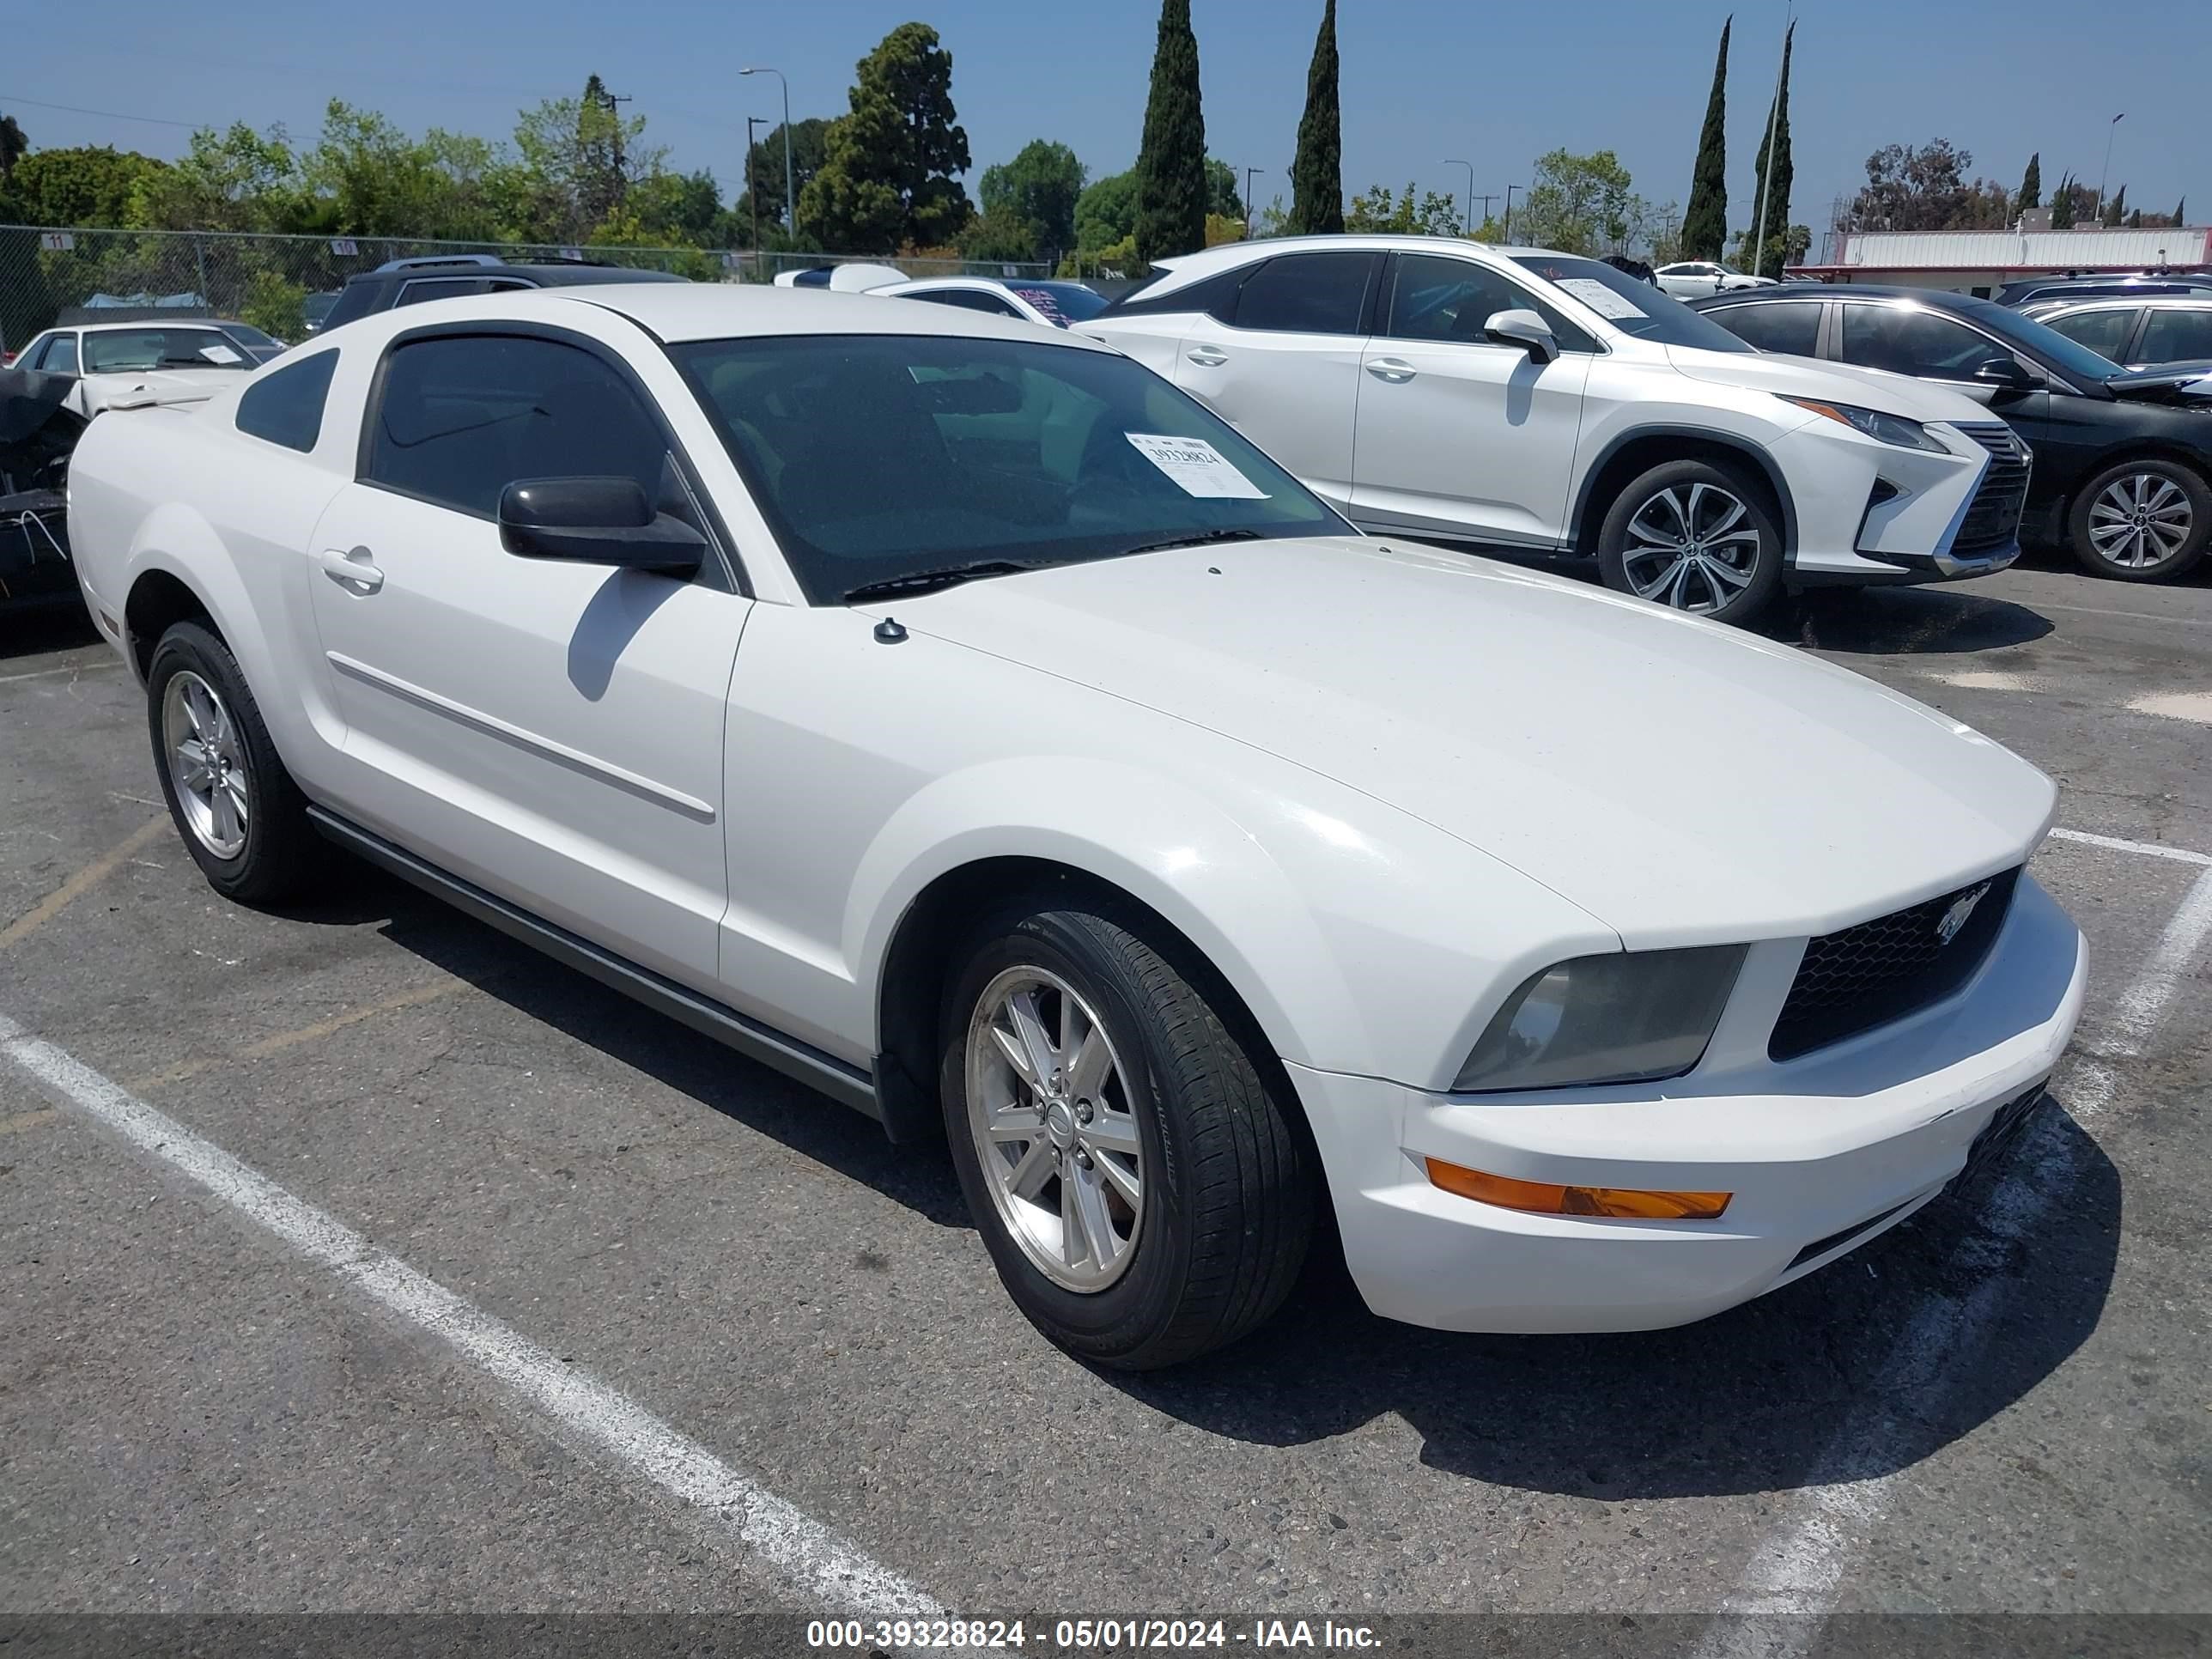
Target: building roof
point(2022, 250)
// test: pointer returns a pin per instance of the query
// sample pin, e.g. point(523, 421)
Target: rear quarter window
point(286, 407)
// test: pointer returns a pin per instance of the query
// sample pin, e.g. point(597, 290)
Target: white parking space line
point(93, 667)
point(750, 1521)
point(1797, 1566)
point(2132, 615)
point(2150, 849)
point(2175, 706)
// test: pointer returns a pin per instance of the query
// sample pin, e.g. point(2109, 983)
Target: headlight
point(1626, 1018)
point(1873, 423)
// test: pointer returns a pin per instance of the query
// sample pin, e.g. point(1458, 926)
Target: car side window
point(286, 406)
point(1910, 342)
point(2105, 333)
point(460, 417)
point(61, 355)
point(1446, 299)
point(451, 287)
point(969, 300)
point(1790, 325)
point(1307, 294)
point(2176, 336)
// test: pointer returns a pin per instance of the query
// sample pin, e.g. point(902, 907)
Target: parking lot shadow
point(1907, 621)
point(1750, 1402)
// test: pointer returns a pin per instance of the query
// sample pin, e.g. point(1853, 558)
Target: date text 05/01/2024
point(1084, 1635)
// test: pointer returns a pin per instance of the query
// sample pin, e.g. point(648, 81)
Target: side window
point(1307, 294)
point(2176, 336)
point(2105, 333)
point(61, 355)
point(1910, 342)
point(462, 416)
point(440, 288)
point(286, 407)
point(1435, 298)
point(1792, 325)
point(968, 300)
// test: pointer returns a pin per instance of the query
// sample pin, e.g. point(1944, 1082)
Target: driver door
point(551, 730)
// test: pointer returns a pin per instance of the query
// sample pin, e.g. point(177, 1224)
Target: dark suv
point(2029, 291)
point(453, 276)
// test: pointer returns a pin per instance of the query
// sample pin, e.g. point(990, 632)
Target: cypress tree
point(1704, 221)
point(1775, 194)
point(2062, 204)
point(1171, 164)
point(1317, 174)
point(2116, 209)
point(2181, 212)
point(2031, 186)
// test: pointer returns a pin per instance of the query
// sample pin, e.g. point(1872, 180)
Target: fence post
point(199, 262)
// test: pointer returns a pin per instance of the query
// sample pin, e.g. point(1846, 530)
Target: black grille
point(1993, 518)
point(1864, 977)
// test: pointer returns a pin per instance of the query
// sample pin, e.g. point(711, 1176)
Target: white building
point(1982, 261)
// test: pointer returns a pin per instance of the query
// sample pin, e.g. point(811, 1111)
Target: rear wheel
point(1695, 536)
point(2142, 521)
point(1144, 1194)
point(243, 819)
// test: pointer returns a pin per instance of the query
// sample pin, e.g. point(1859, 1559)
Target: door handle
point(1206, 357)
point(351, 571)
point(1395, 370)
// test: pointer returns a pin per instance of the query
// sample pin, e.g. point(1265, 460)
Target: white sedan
point(1698, 279)
point(1048, 302)
point(147, 363)
point(967, 722)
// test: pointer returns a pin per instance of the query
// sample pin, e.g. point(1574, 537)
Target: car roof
point(1227, 255)
point(549, 275)
point(719, 310)
point(149, 322)
point(1941, 297)
point(2133, 302)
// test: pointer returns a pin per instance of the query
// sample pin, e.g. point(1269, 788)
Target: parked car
point(2122, 461)
point(854, 277)
point(957, 717)
point(112, 362)
point(38, 431)
point(315, 310)
point(454, 275)
point(1054, 303)
point(1693, 279)
point(2140, 334)
point(1549, 404)
point(2031, 290)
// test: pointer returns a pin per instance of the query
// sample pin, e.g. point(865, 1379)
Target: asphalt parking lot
point(525, 1299)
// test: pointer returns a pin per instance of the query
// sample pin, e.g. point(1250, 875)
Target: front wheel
point(2142, 521)
point(1144, 1195)
point(1695, 536)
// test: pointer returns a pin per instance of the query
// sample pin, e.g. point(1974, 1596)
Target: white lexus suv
point(1517, 398)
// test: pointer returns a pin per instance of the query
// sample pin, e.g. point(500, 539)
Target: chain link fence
point(284, 284)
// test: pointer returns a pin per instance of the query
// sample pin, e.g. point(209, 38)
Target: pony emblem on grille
point(1953, 919)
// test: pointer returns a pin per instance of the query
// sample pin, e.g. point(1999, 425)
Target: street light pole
point(790, 195)
point(1505, 230)
point(1467, 219)
point(1249, 173)
point(2111, 128)
point(1766, 176)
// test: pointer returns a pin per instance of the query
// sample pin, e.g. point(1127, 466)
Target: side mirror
point(594, 520)
point(1523, 328)
point(2006, 374)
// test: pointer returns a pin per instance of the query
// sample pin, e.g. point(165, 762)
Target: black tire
point(1696, 587)
point(2195, 502)
point(282, 856)
point(1229, 1186)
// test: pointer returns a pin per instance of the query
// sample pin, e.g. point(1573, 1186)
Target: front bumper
point(1849, 532)
point(1820, 1154)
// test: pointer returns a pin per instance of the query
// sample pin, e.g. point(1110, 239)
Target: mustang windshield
point(878, 456)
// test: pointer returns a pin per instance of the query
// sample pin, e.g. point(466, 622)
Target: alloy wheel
point(207, 763)
point(1691, 546)
point(2140, 521)
point(1054, 1130)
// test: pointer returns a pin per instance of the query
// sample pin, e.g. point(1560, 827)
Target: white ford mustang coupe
point(959, 718)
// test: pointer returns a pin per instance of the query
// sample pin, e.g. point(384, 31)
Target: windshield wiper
point(921, 581)
point(1196, 538)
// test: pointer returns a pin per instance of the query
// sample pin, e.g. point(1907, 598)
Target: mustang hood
point(1681, 781)
point(141, 388)
point(1841, 383)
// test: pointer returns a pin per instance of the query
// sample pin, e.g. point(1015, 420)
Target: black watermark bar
point(1409, 1636)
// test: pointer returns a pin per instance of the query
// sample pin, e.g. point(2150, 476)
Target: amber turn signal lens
point(1542, 1198)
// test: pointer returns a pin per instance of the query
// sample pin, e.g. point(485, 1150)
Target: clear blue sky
point(1422, 79)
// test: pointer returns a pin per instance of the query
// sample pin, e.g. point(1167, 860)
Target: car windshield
point(889, 459)
point(248, 334)
point(2068, 357)
point(132, 350)
point(1629, 303)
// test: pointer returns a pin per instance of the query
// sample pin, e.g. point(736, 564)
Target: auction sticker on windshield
point(1600, 298)
point(1196, 466)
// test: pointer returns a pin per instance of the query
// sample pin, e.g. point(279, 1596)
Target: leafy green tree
point(86, 185)
point(1375, 212)
point(2062, 204)
point(1581, 205)
point(1704, 221)
point(887, 181)
point(13, 144)
point(1774, 192)
point(1107, 210)
point(1317, 173)
point(999, 234)
point(1171, 183)
point(1038, 188)
point(1926, 189)
point(276, 305)
point(578, 156)
point(2030, 185)
point(764, 179)
point(1223, 195)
